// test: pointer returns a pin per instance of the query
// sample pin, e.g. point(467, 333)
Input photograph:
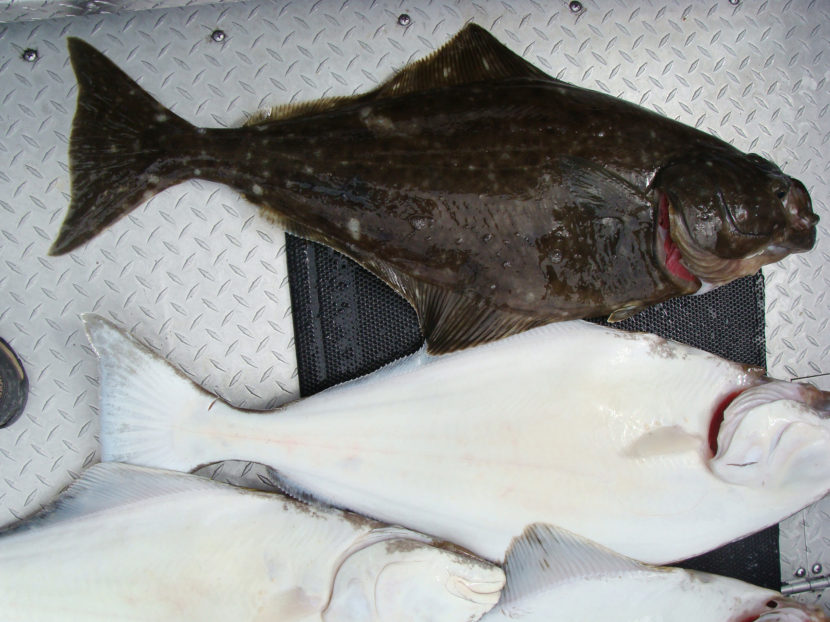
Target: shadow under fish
point(491, 196)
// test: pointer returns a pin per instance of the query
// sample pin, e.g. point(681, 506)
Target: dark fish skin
point(491, 196)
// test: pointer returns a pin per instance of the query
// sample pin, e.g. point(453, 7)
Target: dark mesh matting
point(348, 323)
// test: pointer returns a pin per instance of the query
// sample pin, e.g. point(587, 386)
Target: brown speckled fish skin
point(491, 196)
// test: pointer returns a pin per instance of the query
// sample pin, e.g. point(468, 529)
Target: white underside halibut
point(600, 432)
point(555, 576)
point(130, 543)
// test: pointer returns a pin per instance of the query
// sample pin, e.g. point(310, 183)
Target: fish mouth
point(668, 250)
point(772, 433)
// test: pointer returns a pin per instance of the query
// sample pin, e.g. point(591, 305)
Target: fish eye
point(772, 604)
point(781, 193)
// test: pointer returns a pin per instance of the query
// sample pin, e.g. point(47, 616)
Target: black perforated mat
point(348, 323)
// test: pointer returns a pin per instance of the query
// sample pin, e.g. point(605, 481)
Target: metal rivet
point(801, 572)
point(734, 2)
point(404, 20)
point(575, 6)
point(218, 36)
point(816, 568)
point(30, 55)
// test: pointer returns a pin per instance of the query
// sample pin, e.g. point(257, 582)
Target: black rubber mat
point(348, 323)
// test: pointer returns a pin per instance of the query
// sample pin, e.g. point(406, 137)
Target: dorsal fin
point(544, 556)
point(109, 485)
point(472, 55)
point(289, 111)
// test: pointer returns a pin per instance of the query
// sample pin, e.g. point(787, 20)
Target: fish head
point(724, 214)
point(405, 579)
point(776, 435)
point(783, 609)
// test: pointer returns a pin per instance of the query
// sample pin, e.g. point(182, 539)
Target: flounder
point(491, 196)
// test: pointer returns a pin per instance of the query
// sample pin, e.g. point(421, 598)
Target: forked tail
point(151, 415)
point(119, 147)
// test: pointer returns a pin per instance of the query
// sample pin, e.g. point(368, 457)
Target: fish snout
point(802, 221)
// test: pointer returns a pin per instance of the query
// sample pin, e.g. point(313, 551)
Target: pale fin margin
point(545, 555)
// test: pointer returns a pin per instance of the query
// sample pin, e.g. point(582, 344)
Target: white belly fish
point(555, 576)
point(598, 431)
point(130, 543)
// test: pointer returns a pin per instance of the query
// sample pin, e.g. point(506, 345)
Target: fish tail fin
point(120, 136)
point(150, 414)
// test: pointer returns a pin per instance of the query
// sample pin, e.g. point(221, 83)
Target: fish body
point(127, 543)
point(651, 448)
point(555, 576)
point(493, 197)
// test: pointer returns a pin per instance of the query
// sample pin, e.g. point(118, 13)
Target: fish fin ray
point(295, 491)
point(290, 111)
point(624, 313)
point(148, 409)
point(544, 556)
point(111, 485)
point(453, 321)
point(472, 55)
point(117, 142)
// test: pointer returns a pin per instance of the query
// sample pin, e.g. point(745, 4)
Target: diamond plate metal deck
point(199, 275)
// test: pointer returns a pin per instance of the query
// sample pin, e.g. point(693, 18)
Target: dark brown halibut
point(491, 196)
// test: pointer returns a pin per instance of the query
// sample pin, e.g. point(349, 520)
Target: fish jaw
point(668, 253)
point(776, 436)
point(410, 579)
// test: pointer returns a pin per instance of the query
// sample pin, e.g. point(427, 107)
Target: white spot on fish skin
point(153, 180)
point(197, 171)
point(200, 130)
point(249, 155)
point(354, 228)
point(485, 63)
point(161, 118)
point(600, 134)
point(113, 148)
point(308, 170)
point(447, 71)
point(257, 190)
